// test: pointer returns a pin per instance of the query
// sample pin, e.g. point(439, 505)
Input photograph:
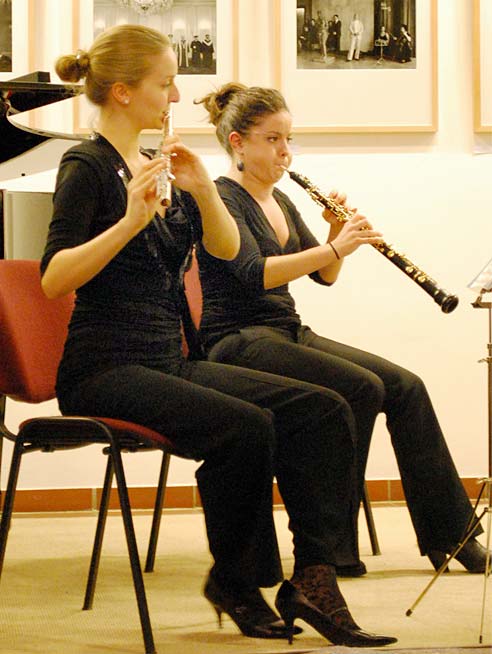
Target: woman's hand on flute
point(142, 196)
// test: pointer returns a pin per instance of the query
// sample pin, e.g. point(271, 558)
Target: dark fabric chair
point(32, 334)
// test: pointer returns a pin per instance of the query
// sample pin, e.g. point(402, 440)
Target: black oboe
point(445, 300)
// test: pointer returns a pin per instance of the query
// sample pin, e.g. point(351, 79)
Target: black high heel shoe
point(292, 604)
point(248, 610)
point(472, 556)
point(314, 596)
point(437, 559)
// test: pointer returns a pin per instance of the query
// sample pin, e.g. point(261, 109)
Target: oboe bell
point(445, 300)
point(164, 178)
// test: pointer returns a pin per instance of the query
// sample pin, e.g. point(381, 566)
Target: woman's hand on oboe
point(355, 232)
point(330, 217)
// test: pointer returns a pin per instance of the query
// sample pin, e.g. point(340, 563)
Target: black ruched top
point(129, 313)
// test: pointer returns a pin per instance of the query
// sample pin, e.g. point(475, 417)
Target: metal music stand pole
point(486, 486)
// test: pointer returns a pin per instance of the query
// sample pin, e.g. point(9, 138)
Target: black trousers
point(247, 427)
point(438, 504)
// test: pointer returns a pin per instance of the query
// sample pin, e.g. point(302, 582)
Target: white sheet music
point(483, 281)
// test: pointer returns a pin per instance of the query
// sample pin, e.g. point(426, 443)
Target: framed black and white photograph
point(482, 65)
point(367, 65)
point(15, 38)
point(379, 35)
point(203, 35)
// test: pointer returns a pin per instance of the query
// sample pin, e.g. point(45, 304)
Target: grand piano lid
point(21, 96)
point(56, 120)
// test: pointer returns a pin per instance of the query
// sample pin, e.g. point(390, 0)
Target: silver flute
point(165, 177)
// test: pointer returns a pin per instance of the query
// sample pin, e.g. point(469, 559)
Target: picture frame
point(21, 38)
point(359, 99)
point(482, 65)
point(188, 117)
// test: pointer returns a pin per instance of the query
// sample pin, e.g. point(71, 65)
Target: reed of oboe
point(165, 177)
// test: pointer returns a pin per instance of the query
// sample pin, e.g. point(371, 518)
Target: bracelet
point(334, 250)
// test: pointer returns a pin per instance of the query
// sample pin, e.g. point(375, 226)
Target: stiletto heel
point(337, 625)
point(437, 559)
point(218, 611)
point(248, 610)
point(288, 616)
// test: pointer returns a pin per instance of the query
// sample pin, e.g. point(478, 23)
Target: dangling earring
point(240, 166)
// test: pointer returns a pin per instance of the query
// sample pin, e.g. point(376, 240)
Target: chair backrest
point(33, 330)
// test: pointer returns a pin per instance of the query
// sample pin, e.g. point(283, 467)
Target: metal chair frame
point(27, 372)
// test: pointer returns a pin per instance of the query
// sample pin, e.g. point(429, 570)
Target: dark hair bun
point(217, 101)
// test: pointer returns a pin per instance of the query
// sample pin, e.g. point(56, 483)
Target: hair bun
point(82, 61)
point(216, 101)
point(73, 67)
point(225, 94)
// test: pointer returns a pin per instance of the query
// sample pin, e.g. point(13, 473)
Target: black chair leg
point(133, 551)
point(156, 520)
point(8, 505)
point(373, 537)
point(98, 538)
point(2, 421)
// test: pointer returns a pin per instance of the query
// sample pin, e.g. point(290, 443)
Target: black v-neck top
point(234, 295)
point(130, 312)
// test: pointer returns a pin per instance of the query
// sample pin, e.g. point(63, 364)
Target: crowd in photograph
point(322, 37)
point(195, 55)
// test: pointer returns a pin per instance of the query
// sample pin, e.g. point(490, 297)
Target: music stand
point(381, 44)
point(481, 284)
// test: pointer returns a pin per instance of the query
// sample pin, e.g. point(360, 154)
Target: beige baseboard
point(178, 497)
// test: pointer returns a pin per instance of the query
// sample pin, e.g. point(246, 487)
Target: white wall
point(431, 196)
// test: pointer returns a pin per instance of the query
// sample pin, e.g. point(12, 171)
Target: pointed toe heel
point(472, 556)
point(248, 610)
point(337, 627)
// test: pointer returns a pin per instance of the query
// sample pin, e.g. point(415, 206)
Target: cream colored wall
point(431, 196)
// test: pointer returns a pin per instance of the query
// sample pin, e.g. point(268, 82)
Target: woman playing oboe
point(250, 320)
point(124, 254)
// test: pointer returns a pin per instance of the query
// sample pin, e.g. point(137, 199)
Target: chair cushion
point(65, 432)
point(132, 429)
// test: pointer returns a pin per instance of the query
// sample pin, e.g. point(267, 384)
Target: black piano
point(18, 95)
point(21, 94)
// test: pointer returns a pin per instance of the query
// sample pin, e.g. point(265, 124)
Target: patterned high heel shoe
point(248, 610)
point(472, 556)
point(313, 596)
